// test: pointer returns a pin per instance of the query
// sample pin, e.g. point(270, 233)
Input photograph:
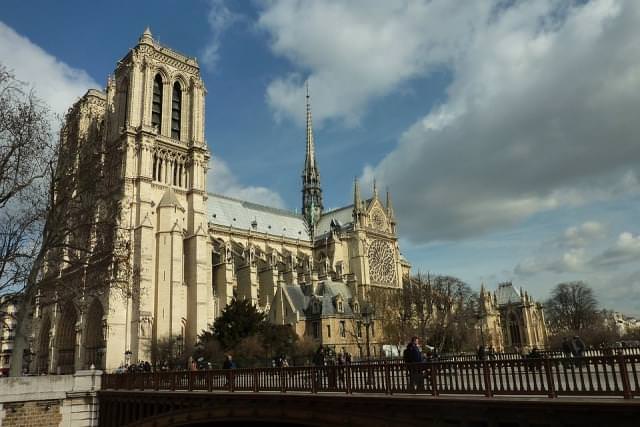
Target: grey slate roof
point(343, 216)
point(226, 211)
point(507, 294)
point(299, 300)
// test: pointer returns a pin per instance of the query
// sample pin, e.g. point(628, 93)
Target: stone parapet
point(50, 400)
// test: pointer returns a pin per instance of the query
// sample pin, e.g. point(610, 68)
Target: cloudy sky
point(508, 132)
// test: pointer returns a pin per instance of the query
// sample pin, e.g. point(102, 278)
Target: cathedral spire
point(311, 191)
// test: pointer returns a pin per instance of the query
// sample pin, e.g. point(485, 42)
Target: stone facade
point(8, 313)
point(512, 320)
point(189, 253)
point(52, 400)
point(176, 255)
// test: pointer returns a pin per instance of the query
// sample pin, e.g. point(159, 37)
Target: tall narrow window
point(155, 167)
point(176, 105)
point(156, 105)
point(175, 172)
point(125, 101)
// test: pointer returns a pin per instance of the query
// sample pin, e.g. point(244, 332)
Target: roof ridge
point(337, 209)
point(247, 203)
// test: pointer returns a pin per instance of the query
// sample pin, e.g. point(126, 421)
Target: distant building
point(624, 324)
point(8, 312)
point(512, 320)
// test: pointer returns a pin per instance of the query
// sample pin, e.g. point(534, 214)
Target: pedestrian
point(319, 357)
point(578, 346)
point(228, 362)
point(481, 353)
point(578, 349)
point(341, 364)
point(412, 355)
point(318, 362)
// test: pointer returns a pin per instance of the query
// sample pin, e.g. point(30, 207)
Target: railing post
point(283, 386)
point(626, 387)
point(347, 372)
point(551, 385)
point(173, 381)
point(232, 380)
point(315, 378)
point(387, 378)
point(255, 380)
point(156, 381)
point(487, 379)
point(209, 380)
point(434, 379)
point(190, 382)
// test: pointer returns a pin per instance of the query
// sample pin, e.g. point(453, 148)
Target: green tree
point(279, 339)
point(239, 320)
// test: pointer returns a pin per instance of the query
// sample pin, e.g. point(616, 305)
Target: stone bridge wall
point(51, 400)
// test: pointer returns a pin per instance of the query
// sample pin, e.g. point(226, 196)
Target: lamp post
point(367, 317)
point(480, 317)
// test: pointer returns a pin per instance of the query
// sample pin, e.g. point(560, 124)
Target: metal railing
point(614, 376)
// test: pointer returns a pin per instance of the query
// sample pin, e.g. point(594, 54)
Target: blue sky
point(506, 131)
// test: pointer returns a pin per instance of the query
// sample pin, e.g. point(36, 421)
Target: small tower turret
point(357, 203)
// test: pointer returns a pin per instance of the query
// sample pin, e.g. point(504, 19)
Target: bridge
point(596, 390)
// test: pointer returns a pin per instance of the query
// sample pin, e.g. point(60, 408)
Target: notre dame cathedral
point(193, 252)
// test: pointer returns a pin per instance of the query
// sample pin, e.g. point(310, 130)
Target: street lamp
point(480, 317)
point(367, 318)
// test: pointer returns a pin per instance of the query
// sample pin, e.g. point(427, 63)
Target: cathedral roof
point(226, 211)
point(341, 216)
point(507, 294)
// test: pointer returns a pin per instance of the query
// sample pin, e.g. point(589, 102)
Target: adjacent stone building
point(511, 320)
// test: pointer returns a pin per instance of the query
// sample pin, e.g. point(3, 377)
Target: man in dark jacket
point(413, 355)
point(228, 363)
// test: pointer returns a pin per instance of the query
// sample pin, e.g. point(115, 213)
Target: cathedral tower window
point(155, 167)
point(124, 102)
point(176, 106)
point(156, 105)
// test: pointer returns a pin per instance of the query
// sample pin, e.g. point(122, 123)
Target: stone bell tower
point(156, 99)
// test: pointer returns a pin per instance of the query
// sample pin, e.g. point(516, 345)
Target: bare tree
point(571, 308)
point(61, 233)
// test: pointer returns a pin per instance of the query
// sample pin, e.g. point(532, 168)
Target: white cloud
point(221, 180)
point(625, 250)
point(580, 236)
point(577, 251)
point(220, 18)
point(356, 51)
point(55, 82)
point(541, 114)
point(568, 252)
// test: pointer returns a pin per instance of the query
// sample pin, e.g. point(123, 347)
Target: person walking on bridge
point(412, 355)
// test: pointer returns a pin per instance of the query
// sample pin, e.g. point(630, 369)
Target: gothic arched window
point(176, 106)
point(156, 105)
point(124, 101)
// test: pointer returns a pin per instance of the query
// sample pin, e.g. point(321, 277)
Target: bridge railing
point(583, 376)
